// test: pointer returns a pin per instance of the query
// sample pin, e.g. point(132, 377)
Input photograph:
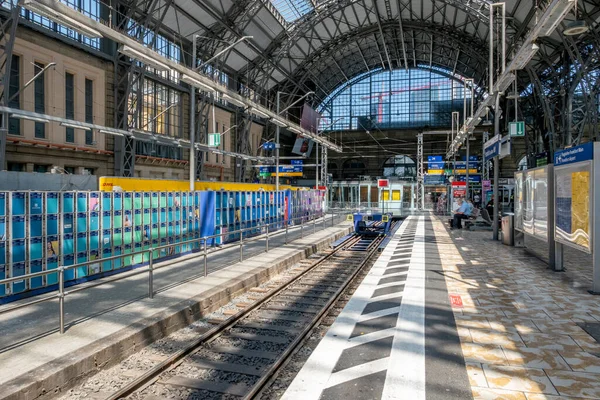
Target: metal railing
point(202, 241)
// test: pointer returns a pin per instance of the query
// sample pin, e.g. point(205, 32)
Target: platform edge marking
point(405, 378)
point(313, 378)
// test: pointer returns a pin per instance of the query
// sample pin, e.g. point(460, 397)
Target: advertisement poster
point(540, 214)
point(573, 206)
point(528, 205)
point(519, 200)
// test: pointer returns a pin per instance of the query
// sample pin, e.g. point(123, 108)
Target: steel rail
point(175, 359)
point(299, 340)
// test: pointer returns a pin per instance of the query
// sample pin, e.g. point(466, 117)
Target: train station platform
point(454, 315)
point(107, 323)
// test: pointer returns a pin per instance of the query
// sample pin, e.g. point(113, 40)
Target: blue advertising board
point(573, 155)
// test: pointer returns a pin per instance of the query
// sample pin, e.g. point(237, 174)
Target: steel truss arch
point(353, 55)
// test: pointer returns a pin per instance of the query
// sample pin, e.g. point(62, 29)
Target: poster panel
point(573, 193)
point(540, 203)
point(519, 200)
point(528, 205)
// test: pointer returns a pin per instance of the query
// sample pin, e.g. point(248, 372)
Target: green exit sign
point(516, 129)
point(214, 139)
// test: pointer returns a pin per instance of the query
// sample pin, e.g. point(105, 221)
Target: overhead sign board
point(434, 179)
point(435, 162)
point(284, 170)
point(573, 155)
point(435, 171)
point(491, 148)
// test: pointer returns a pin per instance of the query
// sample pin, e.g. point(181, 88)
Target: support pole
point(277, 128)
point(496, 170)
point(467, 171)
point(61, 299)
point(193, 124)
point(420, 188)
point(151, 274)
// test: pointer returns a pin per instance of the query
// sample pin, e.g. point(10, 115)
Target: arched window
point(400, 166)
point(522, 165)
point(399, 98)
point(353, 168)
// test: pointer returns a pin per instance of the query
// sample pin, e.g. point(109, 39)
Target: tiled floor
point(518, 320)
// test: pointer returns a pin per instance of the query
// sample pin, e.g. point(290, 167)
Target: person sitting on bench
point(462, 212)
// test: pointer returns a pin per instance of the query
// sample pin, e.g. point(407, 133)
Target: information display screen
point(573, 193)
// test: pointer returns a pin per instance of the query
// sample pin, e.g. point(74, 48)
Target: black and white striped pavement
point(396, 337)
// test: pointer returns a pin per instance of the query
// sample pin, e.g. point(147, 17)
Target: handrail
point(61, 294)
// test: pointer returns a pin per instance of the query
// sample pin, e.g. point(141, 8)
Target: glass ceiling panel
point(291, 10)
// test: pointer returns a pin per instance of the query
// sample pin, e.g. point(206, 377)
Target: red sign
point(459, 189)
point(321, 187)
point(456, 301)
point(383, 183)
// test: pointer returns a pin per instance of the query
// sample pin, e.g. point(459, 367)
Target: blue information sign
point(297, 162)
point(491, 148)
point(434, 179)
point(576, 154)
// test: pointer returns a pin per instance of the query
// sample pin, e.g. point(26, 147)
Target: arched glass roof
point(413, 98)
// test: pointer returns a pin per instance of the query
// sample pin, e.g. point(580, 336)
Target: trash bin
point(508, 237)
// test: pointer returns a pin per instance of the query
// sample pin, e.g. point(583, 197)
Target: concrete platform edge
point(54, 378)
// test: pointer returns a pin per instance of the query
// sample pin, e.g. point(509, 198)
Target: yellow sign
point(349, 217)
point(284, 174)
point(171, 185)
point(435, 171)
point(580, 207)
point(464, 171)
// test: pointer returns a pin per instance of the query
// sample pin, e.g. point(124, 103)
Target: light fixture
point(75, 126)
point(146, 59)
point(520, 61)
point(233, 100)
point(279, 122)
point(196, 83)
point(114, 133)
point(294, 129)
point(575, 28)
point(62, 19)
point(29, 118)
point(258, 113)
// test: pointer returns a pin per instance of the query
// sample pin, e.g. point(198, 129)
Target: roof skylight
point(291, 10)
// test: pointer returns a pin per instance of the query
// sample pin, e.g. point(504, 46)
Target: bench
point(472, 217)
point(484, 222)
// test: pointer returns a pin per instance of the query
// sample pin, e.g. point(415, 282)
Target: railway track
point(238, 357)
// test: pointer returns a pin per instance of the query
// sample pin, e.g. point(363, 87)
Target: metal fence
point(150, 268)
